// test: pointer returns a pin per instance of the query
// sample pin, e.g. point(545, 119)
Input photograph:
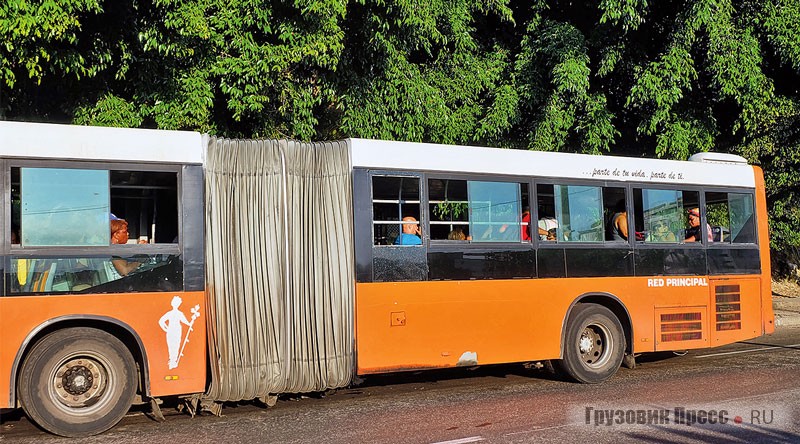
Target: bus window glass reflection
point(64, 207)
point(579, 213)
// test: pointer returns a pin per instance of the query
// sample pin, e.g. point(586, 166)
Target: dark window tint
point(148, 201)
point(615, 215)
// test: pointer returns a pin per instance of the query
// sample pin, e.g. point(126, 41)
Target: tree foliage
point(632, 77)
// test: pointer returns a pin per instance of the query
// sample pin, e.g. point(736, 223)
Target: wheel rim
point(80, 384)
point(595, 346)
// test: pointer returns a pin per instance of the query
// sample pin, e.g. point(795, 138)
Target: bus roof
point(54, 141)
point(378, 154)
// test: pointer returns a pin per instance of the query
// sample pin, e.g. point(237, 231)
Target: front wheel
point(594, 344)
point(77, 382)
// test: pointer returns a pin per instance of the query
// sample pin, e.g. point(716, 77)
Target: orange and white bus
point(135, 260)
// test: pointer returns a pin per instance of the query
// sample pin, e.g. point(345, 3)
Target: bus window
point(64, 207)
point(16, 236)
point(615, 215)
point(572, 213)
point(148, 201)
point(449, 209)
point(661, 216)
point(73, 207)
point(478, 211)
point(547, 225)
point(154, 272)
point(730, 216)
point(579, 213)
point(495, 211)
point(395, 207)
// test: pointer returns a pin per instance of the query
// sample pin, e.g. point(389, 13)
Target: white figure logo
point(171, 324)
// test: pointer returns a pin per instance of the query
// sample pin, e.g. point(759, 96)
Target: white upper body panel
point(378, 154)
point(51, 141)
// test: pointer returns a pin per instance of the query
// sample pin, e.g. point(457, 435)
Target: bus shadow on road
point(764, 344)
point(538, 370)
point(654, 357)
point(730, 432)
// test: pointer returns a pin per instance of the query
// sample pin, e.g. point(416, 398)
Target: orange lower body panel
point(418, 325)
point(174, 350)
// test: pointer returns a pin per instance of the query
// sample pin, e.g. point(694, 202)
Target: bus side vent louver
point(681, 326)
point(729, 308)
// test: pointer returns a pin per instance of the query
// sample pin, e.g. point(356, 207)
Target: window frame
point(422, 190)
point(701, 190)
point(19, 251)
point(625, 186)
point(671, 187)
point(5, 217)
point(446, 245)
point(729, 190)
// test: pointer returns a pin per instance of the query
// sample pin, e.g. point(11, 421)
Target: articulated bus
point(143, 264)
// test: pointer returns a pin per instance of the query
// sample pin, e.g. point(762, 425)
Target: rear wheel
point(594, 344)
point(77, 382)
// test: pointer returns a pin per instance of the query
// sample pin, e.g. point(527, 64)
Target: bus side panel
point(413, 325)
point(735, 312)
point(416, 325)
point(142, 312)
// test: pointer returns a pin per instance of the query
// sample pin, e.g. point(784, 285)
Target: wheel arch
point(608, 301)
point(119, 329)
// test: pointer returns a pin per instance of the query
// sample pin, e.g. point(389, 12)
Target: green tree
point(421, 70)
point(632, 77)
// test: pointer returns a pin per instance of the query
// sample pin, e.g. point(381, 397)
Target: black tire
point(77, 382)
point(594, 344)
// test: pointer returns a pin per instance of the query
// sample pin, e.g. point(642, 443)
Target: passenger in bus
point(661, 232)
point(548, 225)
point(617, 228)
point(411, 232)
point(457, 234)
point(526, 223)
point(505, 233)
point(693, 232)
point(119, 235)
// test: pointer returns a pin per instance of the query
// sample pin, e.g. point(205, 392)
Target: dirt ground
point(785, 287)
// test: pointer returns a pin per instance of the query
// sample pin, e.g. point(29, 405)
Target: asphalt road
point(745, 392)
